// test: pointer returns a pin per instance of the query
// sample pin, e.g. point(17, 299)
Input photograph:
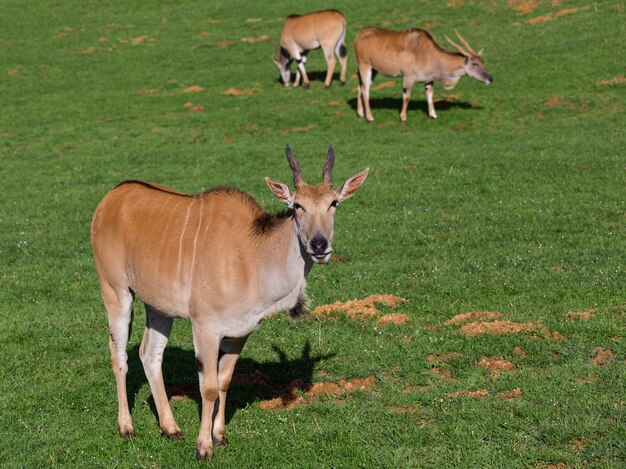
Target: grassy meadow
point(512, 203)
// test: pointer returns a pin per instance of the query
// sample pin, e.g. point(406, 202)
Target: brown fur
point(216, 258)
point(302, 33)
point(415, 56)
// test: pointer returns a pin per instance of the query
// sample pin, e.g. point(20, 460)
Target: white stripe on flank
point(193, 253)
point(180, 247)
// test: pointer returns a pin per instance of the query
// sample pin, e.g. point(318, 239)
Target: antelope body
point(300, 34)
point(415, 56)
point(215, 258)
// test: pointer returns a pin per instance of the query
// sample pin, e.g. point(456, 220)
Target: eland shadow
point(280, 381)
point(313, 77)
point(414, 104)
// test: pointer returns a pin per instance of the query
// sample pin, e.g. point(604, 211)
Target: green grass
point(513, 201)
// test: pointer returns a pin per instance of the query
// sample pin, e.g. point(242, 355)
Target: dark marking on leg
point(199, 365)
point(223, 442)
point(343, 52)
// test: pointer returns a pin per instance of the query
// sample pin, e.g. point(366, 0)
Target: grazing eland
point(415, 56)
point(302, 33)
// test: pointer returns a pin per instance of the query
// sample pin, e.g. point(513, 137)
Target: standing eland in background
point(300, 34)
point(215, 258)
point(415, 56)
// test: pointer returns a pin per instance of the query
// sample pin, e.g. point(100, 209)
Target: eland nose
point(319, 244)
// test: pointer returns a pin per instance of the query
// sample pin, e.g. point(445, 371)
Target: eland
point(215, 258)
point(415, 56)
point(302, 33)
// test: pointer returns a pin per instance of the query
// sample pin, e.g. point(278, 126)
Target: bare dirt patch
point(224, 43)
point(612, 81)
point(148, 91)
point(193, 89)
point(394, 318)
point(238, 92)
point(252, 40)
point(603, 356)
point(470, 394)
point(358, 309)
point(298, 393)
point(519, 352)
point(587, 379)
point(558, 14)
point(141, 39)
point(508, 395)
point(495, 364)
point(304, 128)
point(86, 51)
point(191, 107)
point(444, 357)
point(551, 101)
point(497, 327)
point(508, 327)
point(474, 315)
point(524, 7)
point(588, 314)
point(442, 373)
point(580, 443)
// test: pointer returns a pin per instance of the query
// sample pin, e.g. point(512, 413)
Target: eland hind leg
point(342, 53)
point(330, 65)
point(118, 303)
point(156, 335)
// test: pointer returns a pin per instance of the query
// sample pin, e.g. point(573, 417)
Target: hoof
point(204, 455)
point(342, 83)
point(305, 86)
point(173, 436)
point(127, 433)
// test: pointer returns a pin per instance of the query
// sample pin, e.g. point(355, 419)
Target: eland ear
point(351, 185)
point(281, 191)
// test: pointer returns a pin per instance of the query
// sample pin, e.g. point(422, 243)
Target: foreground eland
point(215, 258)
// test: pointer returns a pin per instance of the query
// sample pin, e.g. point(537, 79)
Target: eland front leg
point(206, 344)
point(230, 351)
point(429, 97)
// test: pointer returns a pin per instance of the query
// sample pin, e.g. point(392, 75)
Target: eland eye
point(297, 206)
point(334, 203)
